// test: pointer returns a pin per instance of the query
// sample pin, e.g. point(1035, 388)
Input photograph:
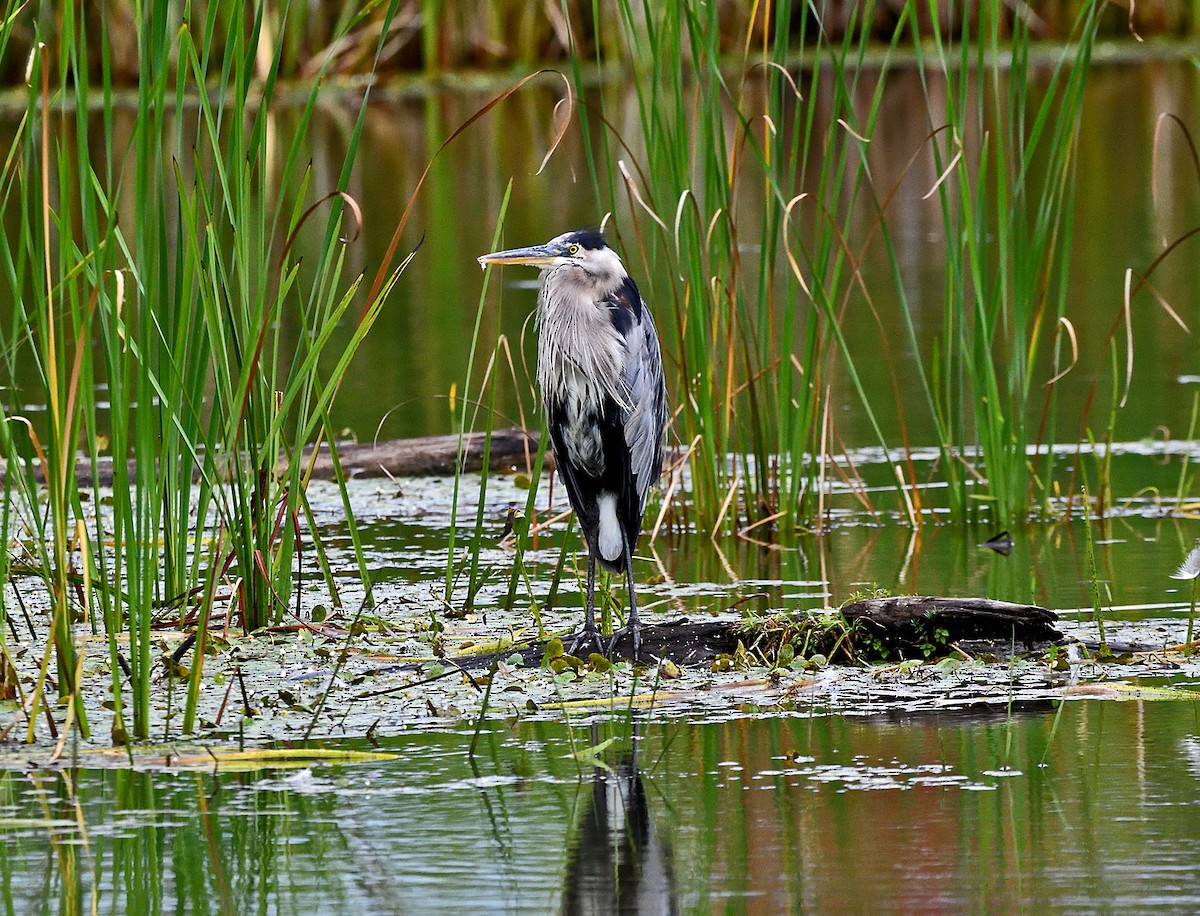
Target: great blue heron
point(600, 371)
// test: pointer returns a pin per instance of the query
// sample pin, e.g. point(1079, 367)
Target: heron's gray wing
point(645, 396)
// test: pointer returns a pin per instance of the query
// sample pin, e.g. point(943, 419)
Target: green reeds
point(472, 558)
point(174, 332)
point(1004, 142)
point(747, 209)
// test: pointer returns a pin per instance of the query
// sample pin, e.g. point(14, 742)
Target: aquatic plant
point(1006, 193)
point(1190, 569)
point(163, 312)
point(742, 199)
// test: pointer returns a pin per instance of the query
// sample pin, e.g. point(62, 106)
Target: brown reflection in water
point(947, 812)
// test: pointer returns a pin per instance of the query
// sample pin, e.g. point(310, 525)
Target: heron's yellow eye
point(574, 249)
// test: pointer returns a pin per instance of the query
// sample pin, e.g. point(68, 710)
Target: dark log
point(425, 456)
point(430, 455)
point(682, 641)
point(906, 623)
point(905, 626)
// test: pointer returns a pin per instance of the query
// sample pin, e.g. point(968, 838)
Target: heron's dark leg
point(590, 634)
point(631, 623)
point(633, 615)
point(589, 620)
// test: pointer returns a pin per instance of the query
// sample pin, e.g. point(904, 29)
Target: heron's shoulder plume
point(625, 303)
point(592, 239)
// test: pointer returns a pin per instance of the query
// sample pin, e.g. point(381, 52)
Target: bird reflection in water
point(618, 861)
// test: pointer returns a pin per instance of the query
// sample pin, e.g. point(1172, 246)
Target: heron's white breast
point(581, 355)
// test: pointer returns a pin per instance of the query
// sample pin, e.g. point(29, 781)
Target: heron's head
point(584, 249)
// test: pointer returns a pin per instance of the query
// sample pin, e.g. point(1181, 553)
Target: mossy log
point(871, 630)
point(908, 624)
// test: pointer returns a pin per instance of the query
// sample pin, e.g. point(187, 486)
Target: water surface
point(1091, 807)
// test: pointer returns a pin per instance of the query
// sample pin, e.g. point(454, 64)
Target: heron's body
point(601, 377)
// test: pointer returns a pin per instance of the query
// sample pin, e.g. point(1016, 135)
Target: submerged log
point(424, 456)
point(429, 455)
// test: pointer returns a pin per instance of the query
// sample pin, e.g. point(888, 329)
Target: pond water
point(1088, 804)
point(1094, 807)
point(1129, 204)
point(1135, 550)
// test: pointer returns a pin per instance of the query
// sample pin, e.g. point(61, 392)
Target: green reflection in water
point(752, 815)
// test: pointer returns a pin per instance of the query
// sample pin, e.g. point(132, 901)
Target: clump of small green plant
point(935, 640)
point(796, 641)
point(810, 640)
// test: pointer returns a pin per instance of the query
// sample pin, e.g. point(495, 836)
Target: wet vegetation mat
point(343, 668)
point(280, 689)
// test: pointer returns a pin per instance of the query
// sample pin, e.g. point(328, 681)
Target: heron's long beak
point(538, 255)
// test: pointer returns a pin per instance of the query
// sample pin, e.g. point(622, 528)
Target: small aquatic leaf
point(437, 669)
point(520, 524)
point(599, 663)
point(319, 613)
point(522, 481)
point(554, 649)
point(564, 662)
point(786, 654)
point(1118, 690)
point(515, 660)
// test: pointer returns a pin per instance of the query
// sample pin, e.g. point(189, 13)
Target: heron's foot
point(585, 642)
point(633, 632)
